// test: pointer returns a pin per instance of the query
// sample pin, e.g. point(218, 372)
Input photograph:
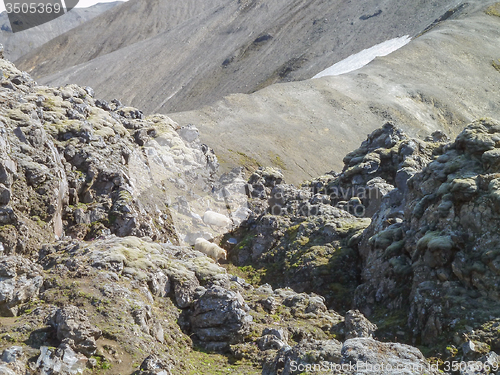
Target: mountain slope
point(132, 22)
point(18, 44)
point(440, 81)
point(234, 47)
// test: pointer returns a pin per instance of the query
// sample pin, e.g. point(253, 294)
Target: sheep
point(216, 219)
point(208, 248)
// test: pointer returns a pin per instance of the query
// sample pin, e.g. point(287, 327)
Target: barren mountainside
point(132, 22)
point(19, 44)
point(441, 80)
point(179, 59)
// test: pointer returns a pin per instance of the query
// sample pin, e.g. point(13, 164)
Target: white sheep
point(216, 219)
point(211, 249)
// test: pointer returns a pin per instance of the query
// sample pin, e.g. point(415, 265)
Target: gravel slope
point(439, 81)
point(19, 44)
point(188, 54)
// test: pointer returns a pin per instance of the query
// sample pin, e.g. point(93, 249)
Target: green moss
point(49, 103)
point(394, 249)
point(440, 243)
point(351, 227)
point(390, 324)
point(252, 335)
point(8, 338)
point(80, 205)
point(101, 363)
point(400, 266)
point(253, 276)
point(302, 241)
point(452, 350)
point(64, 126)
point(38, 221)
point(112, 217)
point(18, 115)
point(443, 189)
point(245, 160)
point(496, 65)
point(105, 132)
point(245, 242)
point(424, 241)
point(435, 241)
point(124, 195)
point(385, 238)
point(292, 232)
point(493, 10)
point(277, 161)
point(340, 292)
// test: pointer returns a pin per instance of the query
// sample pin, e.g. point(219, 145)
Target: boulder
point(154, 365)
point(306, 356)
point(74, 329)
point(273, 338)
point(13, 361)
point(220, 316)
point(5, 195)
point(159, 284)
point(61, 361)
point(382, 358)
point(357, 325)
point(20, 281)
point(185, 289)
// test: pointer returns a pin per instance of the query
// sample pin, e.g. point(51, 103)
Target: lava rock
point(220, 316)
point(74, 328)
point(20, 282)
point(357, 325)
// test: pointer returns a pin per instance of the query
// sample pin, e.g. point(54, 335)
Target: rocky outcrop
point(74, 165)
point(361, 354)
point(437, 260)
point(153, 365)
point(311, 234)
point(386, 268)
point(291, 361)
point(379, 358)
point(424, 254)
point(273, 338)
point(81, 181)
point(451, 233)
point(129, 286)
point(385, 161)
point(304, 241)
point(220, 318)
point(99, 204)
point(20, 282)
point(74, 329)
point(62, 360)
point(357, 325)
point(14, 360)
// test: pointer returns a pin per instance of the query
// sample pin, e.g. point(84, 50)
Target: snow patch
point(364, 57)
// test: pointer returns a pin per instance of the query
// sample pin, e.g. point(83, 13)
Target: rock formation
point(100, 206)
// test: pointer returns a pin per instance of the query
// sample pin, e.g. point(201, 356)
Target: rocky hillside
point(196, 52)
point(407, 233)
point(390, 263)
point(19, 44)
